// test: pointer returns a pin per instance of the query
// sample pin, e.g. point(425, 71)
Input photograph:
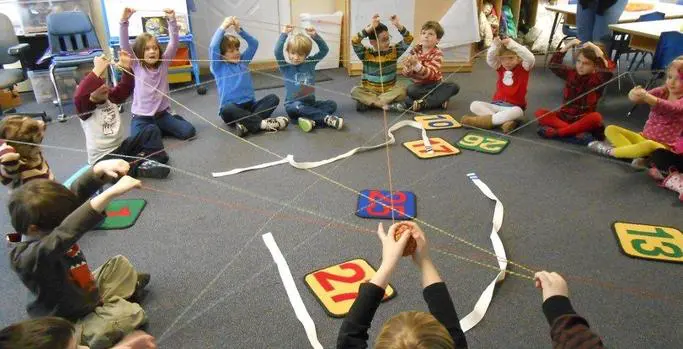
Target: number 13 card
point(336, 287)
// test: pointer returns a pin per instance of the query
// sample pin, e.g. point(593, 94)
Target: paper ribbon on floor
point(473, 318)
point(308, 165)
point(292, 291)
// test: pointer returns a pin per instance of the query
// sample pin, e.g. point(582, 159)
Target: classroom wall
point(313, 7)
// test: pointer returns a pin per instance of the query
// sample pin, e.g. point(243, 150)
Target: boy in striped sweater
point(23, 161)
point(428, 90)
point(378, 86)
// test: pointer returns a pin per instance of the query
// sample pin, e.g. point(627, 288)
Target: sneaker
point(306, 125)
point(276, 123)
point(360, 107)
point(140, 284)
point(152, 169)
point(509, 126)
point(419, 105)
point(240, 130)
point(334, 121)
point(600, 147)
point(639, 164)
point(546, 132)
point(398, 107)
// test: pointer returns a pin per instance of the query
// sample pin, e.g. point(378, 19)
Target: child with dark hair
point(51, 265)
point(378, 83)
point(437, 329)
point(57, 333)
point(423, 65)
point(150, 69)
point(238, 105)
point(578, 117)
point(22, 160)
point(96, 104)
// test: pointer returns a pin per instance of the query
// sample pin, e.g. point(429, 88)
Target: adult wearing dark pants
point(593, 18)
point(432, 95)
point(250, 113)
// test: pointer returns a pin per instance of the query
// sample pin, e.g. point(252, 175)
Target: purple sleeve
point(172, 46)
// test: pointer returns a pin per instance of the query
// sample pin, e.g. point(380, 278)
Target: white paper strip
point(477, 314)
point(308, 165)
point(292, 291)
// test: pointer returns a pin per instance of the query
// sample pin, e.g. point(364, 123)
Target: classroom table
point(569, 13)
point(645, 35)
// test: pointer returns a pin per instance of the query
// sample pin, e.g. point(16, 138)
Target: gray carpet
point(214, 282)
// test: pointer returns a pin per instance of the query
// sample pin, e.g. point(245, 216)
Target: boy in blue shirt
point(238, 105)
point(299, 74)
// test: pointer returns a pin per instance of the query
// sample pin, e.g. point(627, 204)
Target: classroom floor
point(215, 285)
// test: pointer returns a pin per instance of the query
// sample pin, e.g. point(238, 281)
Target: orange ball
point(411, 245)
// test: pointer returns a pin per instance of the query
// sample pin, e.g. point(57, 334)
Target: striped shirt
point(428, 71)
point(15, 173)
point(379, 68)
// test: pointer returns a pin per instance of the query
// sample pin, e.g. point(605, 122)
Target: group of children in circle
point(51, 218)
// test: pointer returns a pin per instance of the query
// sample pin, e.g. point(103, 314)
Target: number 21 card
point(336, 287)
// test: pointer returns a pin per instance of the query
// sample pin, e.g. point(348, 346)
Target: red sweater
point(515, 93)
point(576, 85)
point(429, 71)
point(92, 82)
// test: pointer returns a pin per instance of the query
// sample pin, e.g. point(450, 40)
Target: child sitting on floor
point(300, 102)
point(97, 108)
point(568, 330)
point(440, 328)
point(378, 83)
point(428, 90)
point(150, 69)
point(664, 124)
point(56, 333)
point(512, 62)
point(582, 91)
point(51, 265)
point(24, 161)
point(666, 167)
point(238, 105)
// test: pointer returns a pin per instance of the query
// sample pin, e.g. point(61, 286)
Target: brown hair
point(435, 26)
point(21, 129)
point(414, 330)
point(41, 202)
point(300, 44)
point(43, 333)
point(139, 49)
point(589, 54)
point(229, 42)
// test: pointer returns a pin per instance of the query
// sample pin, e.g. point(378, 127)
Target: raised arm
point(215, 48)
point(403, 45)
point(322, 46)
point(173, 39)
point(528, 59)
point(280, 45)
point(492, 54)
point(124, 41)
point(252, 46)
point(557, 66)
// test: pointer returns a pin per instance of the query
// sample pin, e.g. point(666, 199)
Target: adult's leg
point(175, 126)
point(586, 123)
point(585, 22)
point(241, 113)
point(601, 31)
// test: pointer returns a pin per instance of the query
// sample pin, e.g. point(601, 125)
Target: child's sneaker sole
point(305, 124)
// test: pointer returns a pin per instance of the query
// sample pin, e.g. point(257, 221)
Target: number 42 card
point(336, 287)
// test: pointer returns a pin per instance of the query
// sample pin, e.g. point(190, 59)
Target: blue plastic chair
point(73, 42)
point(654, 16)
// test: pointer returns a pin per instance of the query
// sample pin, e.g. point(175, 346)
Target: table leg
point(550, 40)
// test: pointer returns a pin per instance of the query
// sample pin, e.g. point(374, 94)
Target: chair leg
point(61, 117)
point(633, 60)
point(618, 73)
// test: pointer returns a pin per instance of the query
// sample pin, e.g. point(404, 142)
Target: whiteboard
point(146, 8)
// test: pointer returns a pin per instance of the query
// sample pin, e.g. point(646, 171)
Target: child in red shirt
point(581, 94)
point(512, 62)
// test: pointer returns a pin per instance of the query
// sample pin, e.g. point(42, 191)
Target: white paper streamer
point(308, 165)
point(292, 291)
point(477, 314)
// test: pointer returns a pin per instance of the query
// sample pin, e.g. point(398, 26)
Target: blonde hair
point(504, 51)
point(414, 330)
point(300, 44)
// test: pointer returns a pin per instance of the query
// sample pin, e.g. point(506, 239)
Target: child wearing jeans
point(439, 328)
point(300, 102)
point(97, 108)
point(150, 69)
point(238, 105)
point(663, 126)
point(49, 262)
point(578, 117)
point(512, 62)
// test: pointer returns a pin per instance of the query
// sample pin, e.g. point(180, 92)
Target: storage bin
point(329, 28)
point(67, 79)
point(42, 86)
point(33, 14)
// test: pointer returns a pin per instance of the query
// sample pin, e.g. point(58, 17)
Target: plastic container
point(42, 85)
point(31, 16)
point(329, 28)
point(67, 79)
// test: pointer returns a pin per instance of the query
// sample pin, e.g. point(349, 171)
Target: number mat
point(437, 122)
point(439, 148)
point(649, 241)
point(122, 214)
point(336, 287)
point(483, 143)
point(375, 203)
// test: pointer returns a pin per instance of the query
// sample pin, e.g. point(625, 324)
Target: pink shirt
point(665, 122)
